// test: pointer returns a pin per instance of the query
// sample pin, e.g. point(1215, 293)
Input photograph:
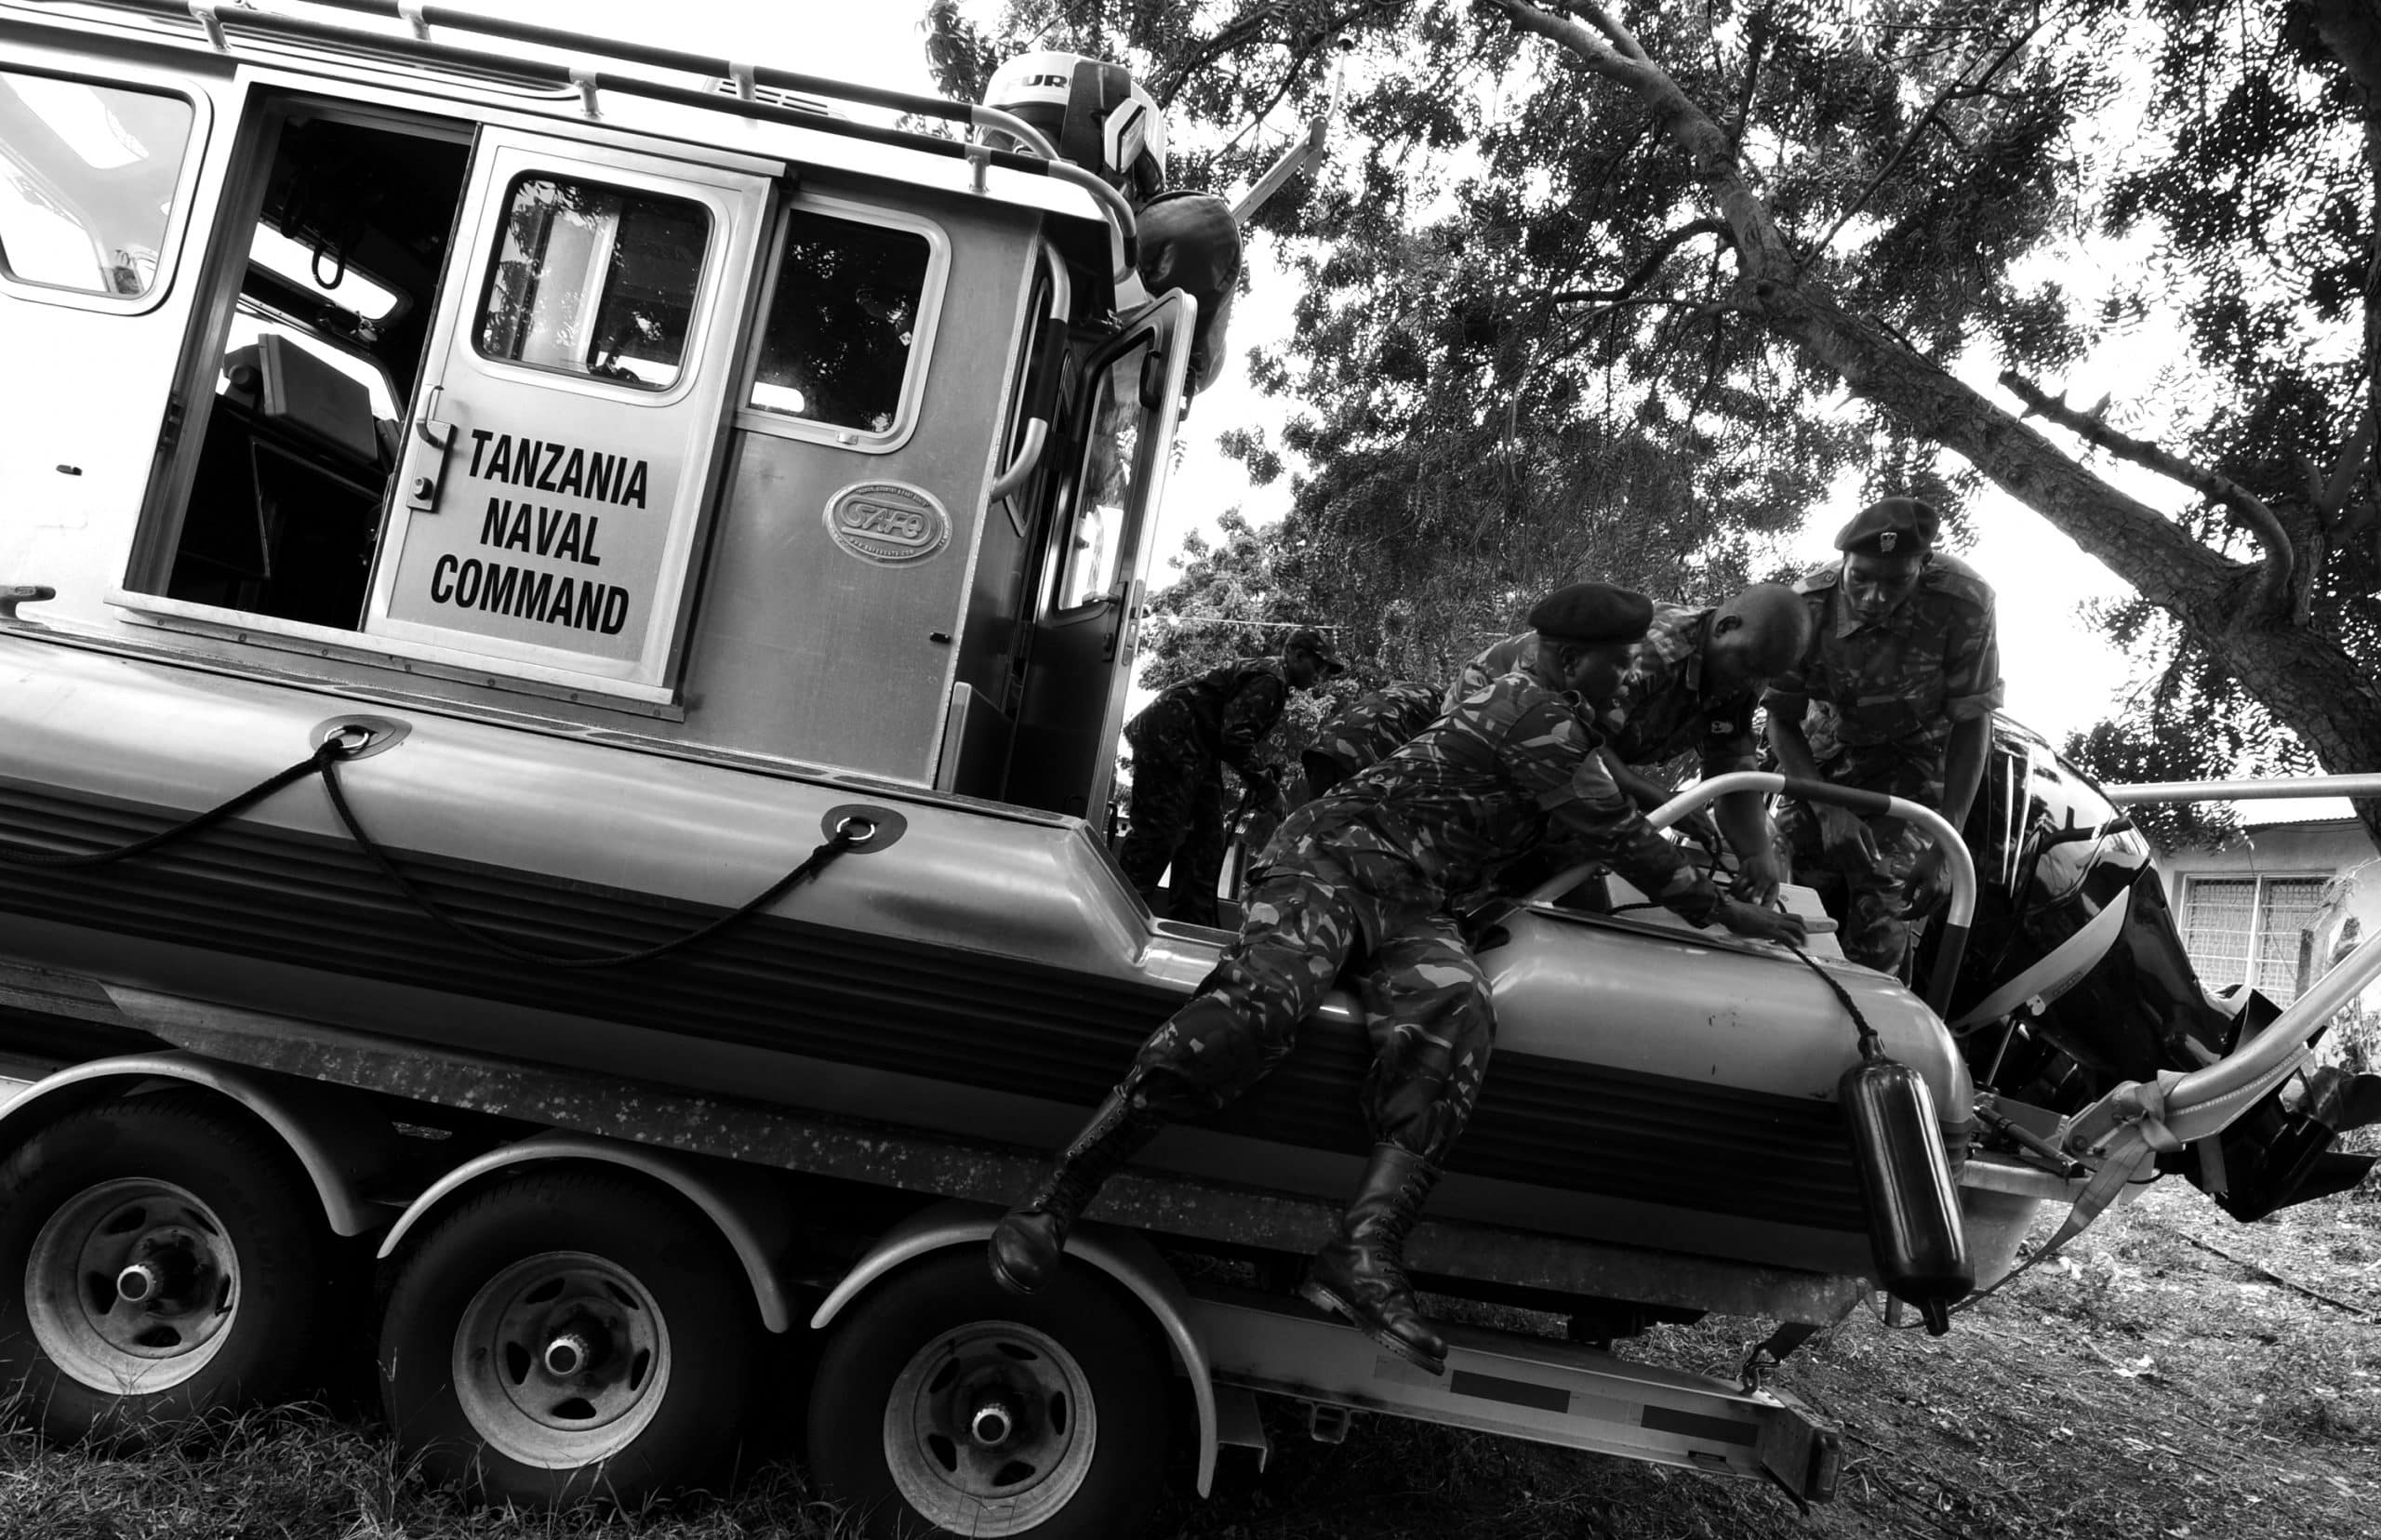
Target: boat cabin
point(601, 389)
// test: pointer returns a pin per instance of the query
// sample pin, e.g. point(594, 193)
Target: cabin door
point(561, 451)
point(1096, 567)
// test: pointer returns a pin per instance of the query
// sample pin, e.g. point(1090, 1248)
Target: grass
point(2171, 1374)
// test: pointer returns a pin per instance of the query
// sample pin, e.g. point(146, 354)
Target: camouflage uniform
point(1882, 700)
point(1514, 654)
point(1365, 873)
point(1662, 710)
point(1178, 741)
point(1367, 730)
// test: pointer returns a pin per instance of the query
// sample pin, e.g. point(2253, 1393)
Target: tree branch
point(2248, 510)
point(1959, 85)
point(1653, 259)
point(1623, 41)
point(1756, 42)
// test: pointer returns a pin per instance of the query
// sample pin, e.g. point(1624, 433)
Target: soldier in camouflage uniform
point(1179, 741)
point(1691, 688)
point(1366, 731)
point(1358, 883)
point(1895, 694)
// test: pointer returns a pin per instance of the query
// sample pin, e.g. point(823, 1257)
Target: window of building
point(847, 323)
point(594, 281)
point(87, 174)
point(2258, 931)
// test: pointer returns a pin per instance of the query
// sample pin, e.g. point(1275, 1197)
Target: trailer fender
point(1120, 1253)
point(311, 1121)
point(743, 1217)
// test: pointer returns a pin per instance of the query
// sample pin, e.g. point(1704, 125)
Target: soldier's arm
point(1840, 828)
point(1249, 715)
point(1550, 754)
point(1971, 691)
point(1643, 791)
point(1786, 737)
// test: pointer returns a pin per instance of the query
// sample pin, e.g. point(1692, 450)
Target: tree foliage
point(1624, 289)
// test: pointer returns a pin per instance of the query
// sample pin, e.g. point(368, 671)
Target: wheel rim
point(991, 1429)
point(132, 1285)
point(561, 1359)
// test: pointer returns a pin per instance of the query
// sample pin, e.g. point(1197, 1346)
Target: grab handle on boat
point(13, 595)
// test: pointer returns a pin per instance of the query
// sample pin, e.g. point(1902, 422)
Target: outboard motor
point(2077, 979)
point(1097, 116)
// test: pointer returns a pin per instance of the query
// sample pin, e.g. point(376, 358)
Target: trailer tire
point(567, 1335)
point(924, 1371)
point(161, 1240)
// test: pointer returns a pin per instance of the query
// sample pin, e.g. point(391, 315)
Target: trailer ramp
point(1523, 1387)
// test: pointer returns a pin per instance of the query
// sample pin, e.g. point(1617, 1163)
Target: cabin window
point(1094, 539)
point(595, 280)
point(88, 177)
point(850, 321)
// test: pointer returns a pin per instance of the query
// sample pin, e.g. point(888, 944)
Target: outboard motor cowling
point(2077, 979)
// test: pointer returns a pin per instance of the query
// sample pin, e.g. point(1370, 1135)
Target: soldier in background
point(1895, 694)
point(1366, 731)
point(1180, 742)
point(1367, 872)
point(1691, 688)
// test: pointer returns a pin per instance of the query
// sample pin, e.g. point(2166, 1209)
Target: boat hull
point(979, 972)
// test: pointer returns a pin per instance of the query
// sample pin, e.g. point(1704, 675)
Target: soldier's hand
point(1756, 923)
point(1929, 887)
point(1700, 827)
point(1759, 876)
point(1840, 827)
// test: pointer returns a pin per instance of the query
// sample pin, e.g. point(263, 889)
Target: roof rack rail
point(217, 22)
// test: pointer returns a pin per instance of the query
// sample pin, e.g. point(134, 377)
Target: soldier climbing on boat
point(1361, 880)
point(1366, 731)
point(1691, 686)
point(1180, 742)
point(1893, 693)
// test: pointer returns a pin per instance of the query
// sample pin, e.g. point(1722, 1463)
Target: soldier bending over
point(1180, 740)
point(1359, 880)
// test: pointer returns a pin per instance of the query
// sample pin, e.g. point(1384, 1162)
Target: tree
point(1570, 242)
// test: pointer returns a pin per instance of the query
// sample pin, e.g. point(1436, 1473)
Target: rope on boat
point(851, 832)
point(325, 761)
point(332, 750)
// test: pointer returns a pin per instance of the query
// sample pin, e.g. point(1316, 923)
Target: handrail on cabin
point(1042, 161)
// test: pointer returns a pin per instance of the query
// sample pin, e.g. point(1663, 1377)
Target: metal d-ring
point(846, 824)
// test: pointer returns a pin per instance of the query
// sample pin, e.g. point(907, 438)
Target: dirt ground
point(2171, 1374)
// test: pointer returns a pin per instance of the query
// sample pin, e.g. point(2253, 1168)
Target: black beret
point(1593, 612)
point(1891, 526)
point(1306, 639)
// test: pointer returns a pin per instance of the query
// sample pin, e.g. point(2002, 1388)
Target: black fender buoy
point(1914, 1231)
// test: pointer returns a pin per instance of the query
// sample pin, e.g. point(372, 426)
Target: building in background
point(2276, 907)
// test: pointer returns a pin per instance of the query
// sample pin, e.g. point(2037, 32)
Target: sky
point(2060, 675)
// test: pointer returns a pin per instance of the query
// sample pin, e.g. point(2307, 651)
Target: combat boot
point(1031, 1238)
point(1361, 1272)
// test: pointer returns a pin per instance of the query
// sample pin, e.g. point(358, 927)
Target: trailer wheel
point(169, 1260)
point(565, 1335)
point(946, 1406)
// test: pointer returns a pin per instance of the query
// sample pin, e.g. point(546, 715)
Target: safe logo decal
point(888, 522)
